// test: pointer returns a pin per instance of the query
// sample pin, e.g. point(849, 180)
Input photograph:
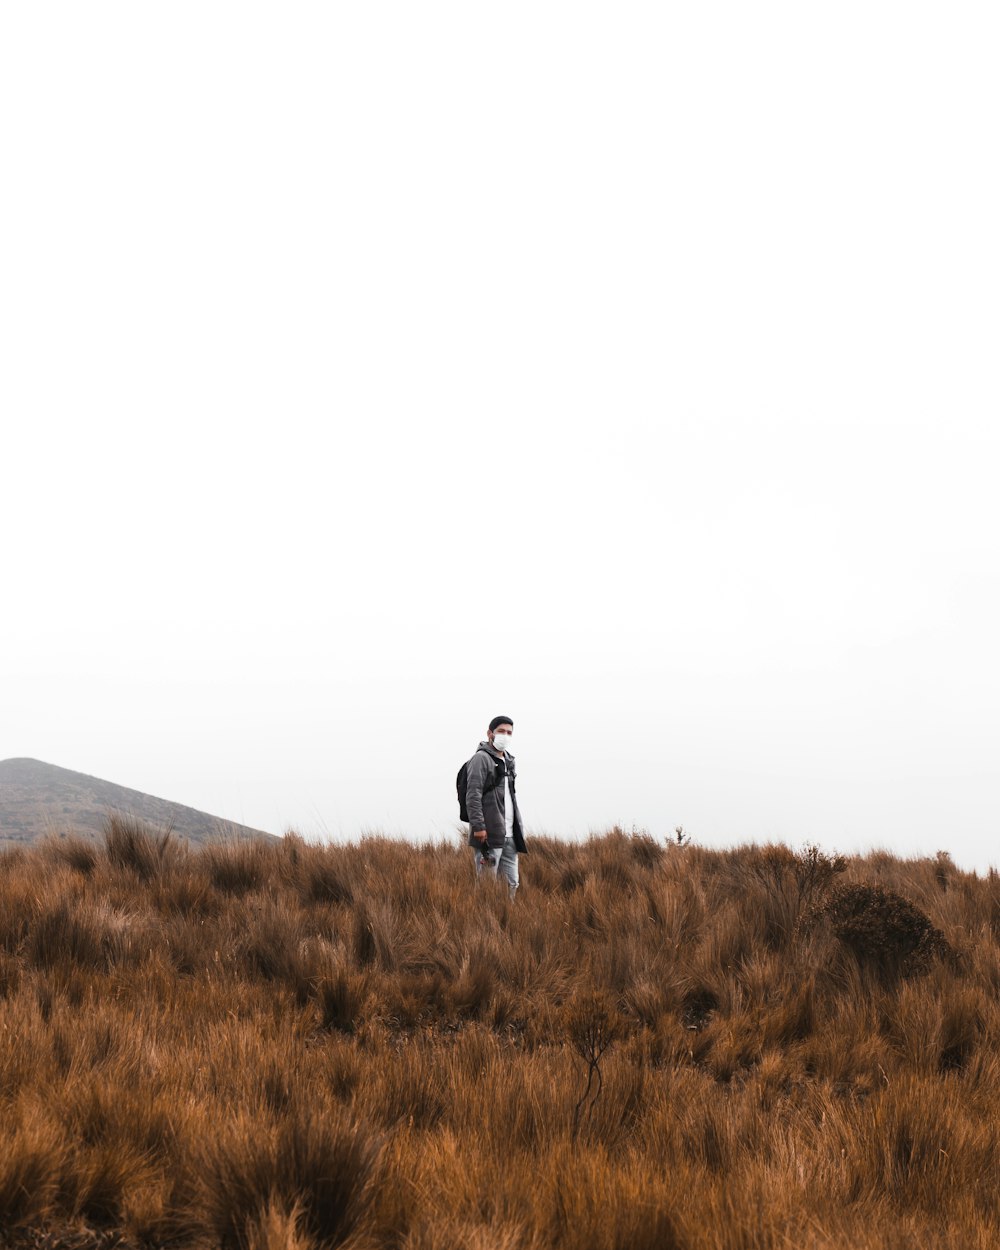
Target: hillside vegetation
point(271, 1045)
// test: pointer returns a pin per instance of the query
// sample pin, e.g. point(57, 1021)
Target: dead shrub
point(614, 1120)
point(593, 1023)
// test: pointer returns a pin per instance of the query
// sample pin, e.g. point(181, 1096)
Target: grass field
point(266, 1046)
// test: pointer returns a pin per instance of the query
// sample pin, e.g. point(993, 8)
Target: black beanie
point(501, 720)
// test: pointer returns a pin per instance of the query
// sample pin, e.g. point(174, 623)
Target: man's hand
point(480, 834)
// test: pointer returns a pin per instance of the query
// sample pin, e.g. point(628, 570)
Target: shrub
point(883, 929)
point(791, 882)
point(814, 872)
point(593, 1023)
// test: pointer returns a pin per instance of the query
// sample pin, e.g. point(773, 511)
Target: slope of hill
point(37, 799)
point(286, 1046)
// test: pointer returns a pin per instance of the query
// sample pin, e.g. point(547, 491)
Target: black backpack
point(462, 782)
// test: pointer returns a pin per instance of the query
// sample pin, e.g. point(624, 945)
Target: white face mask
point(501, 741)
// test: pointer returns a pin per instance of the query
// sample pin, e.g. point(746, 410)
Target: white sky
point(369, 370)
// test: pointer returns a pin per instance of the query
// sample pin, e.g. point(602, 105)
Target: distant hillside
point(37, 799)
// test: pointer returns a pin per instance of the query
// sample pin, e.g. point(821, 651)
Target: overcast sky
point(370, 370)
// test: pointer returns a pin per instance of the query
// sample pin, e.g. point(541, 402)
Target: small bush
point(815, 872)
point(593, 1023)
point(791, 885)
point(883, 929)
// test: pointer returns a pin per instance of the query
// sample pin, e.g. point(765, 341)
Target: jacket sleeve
point(476, 779)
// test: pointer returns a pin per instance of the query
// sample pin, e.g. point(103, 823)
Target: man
point(496, 831)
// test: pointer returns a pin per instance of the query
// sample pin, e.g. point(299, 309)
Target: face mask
point(501, 741)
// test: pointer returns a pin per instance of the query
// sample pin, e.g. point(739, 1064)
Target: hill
point(38, 799)
point(287, 1046)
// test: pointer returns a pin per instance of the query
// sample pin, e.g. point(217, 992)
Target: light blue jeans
point(503, 862)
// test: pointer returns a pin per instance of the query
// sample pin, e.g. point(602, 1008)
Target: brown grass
point(289, 1047)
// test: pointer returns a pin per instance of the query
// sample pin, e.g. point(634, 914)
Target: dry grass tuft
point(315, 1162)
point(129, 844)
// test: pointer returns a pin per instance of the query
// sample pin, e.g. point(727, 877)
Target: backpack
point(462, 782)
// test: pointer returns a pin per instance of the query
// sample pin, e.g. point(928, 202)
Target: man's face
point(500, 729)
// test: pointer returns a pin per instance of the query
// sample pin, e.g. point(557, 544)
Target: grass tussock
point(290, 1047)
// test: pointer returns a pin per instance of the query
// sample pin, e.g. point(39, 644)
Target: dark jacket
point(487, 811)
